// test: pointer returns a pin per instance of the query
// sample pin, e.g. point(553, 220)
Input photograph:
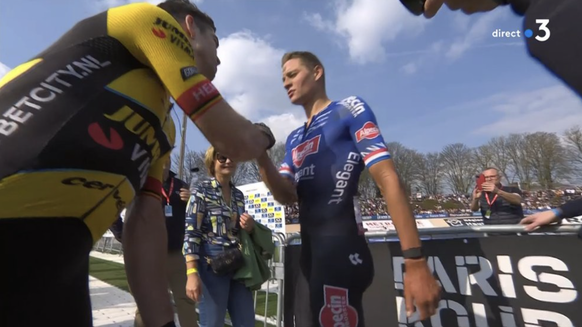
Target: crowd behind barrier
point(441, 206)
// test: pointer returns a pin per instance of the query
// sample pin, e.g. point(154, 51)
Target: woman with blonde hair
point(214, 217)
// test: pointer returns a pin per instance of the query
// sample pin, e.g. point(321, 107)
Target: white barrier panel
point(260, 204)
point(386, 225)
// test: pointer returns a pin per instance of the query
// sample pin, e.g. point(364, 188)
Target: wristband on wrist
point(557, 212)
point(191, 271)
point(413, 253)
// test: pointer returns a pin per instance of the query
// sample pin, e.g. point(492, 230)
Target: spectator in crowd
point(498, 204)
point(175, 194)
point(215, 214)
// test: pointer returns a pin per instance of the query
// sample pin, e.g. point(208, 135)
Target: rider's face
point(204, 43)
point(298, 80)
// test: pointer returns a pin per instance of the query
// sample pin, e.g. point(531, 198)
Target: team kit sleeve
point(286, 168)
point(365, 132)
point(154, 180)
point(157, 40)
point(195, 212)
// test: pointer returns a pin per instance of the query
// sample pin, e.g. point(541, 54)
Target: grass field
point(114, 273)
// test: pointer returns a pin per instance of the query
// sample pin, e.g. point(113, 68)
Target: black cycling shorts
point(338, 270)
point(44, 269)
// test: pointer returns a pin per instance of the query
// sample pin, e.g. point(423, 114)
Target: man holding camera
point(499, 205)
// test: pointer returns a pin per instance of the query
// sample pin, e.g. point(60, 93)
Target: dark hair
point(179, 9)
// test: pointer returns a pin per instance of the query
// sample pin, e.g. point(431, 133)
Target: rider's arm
point(145, 243)
point(230, 133)
point(570, 209)
point(370, 143)
point(279, 182)
point(145, 248)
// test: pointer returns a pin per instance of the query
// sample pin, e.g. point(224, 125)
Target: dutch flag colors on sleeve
point(287, 169)
point(365, 131)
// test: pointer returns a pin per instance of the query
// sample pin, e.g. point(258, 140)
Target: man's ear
point(190, 26)
point(317, 72)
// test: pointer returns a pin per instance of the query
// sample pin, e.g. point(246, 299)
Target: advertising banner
point(260, 204)
point(492, 281)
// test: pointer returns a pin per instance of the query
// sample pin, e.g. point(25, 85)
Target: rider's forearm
point(232, 134)
point(145, 251)
point(283, 191)
point(400, 212)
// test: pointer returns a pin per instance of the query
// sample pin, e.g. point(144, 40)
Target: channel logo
point(541, 35)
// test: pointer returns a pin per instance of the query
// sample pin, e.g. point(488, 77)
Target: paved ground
point(112, 307)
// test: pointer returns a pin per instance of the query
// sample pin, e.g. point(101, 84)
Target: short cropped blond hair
point(209, 160)
point(309, 59)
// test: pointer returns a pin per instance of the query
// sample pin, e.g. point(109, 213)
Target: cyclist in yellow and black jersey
point(84, 132)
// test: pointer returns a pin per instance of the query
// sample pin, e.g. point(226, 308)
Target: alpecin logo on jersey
point(304, 149)
point(336, 310)
point(369, 131)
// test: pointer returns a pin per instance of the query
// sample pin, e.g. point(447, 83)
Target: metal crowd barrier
point(460, 232)
point(108, 244)
point(273, 286)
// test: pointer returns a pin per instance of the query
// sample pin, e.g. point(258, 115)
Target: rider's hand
point(267, 131)
point(420, 288)
point(431, 7)
point(539, 219)
point(194, 287)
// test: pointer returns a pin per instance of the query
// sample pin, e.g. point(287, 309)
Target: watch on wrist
point(413, 253)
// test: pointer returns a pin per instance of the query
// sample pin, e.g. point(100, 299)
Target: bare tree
point(458, 167)
point(192, 160)
point(500, 156)
point(430, 173)
point(547, 157)
point(483, 156)
point(250, 169)
point(573, 144)
point(367, 187)
point(406, 164)
point(518, 161)
point(277, 154)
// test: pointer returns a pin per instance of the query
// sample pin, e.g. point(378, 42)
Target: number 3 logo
point(543, 27)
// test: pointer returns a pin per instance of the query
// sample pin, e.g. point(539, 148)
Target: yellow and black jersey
point(85, 124)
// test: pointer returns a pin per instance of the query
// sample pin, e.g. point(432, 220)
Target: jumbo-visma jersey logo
point(304, 149)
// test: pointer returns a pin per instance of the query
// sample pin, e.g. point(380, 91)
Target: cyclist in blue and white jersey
point(321, 169)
